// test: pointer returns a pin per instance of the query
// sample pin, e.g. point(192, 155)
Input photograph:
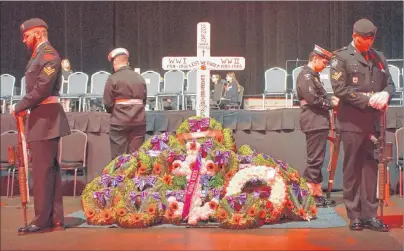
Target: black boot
point(356, 225)
point(375, 225)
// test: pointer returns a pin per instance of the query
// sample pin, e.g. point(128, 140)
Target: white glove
point(379, 100)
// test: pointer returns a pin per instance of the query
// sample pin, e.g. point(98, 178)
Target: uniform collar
point(124, 68)
point(38, 47)
point(311, 70)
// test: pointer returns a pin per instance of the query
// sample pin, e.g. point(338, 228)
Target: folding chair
point(325, 79)
point(217, 96)
point(7, 82)
point(395, 75)
point(191, 89)
point(22, 90)
point(152, 80)
point(8, 138)
point(173, 85)
point(400, 156)
point(73, 154)
point(77, 88)
point(275, 84)
point(97, 86)
point(295, 74)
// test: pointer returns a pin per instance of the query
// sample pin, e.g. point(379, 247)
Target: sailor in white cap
point(125, 96)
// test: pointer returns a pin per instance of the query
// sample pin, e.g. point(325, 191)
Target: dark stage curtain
point(265, 33)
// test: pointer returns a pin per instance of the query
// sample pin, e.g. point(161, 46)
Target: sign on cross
point(203, 63)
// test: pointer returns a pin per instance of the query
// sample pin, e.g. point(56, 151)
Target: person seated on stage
point(217, 89)
point(66, 72)
point(231, 90)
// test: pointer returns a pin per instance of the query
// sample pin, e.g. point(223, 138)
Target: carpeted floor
point(326, 218)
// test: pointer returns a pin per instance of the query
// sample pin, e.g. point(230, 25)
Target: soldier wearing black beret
point(360, 78)
point(47, 122)
point(314, 119)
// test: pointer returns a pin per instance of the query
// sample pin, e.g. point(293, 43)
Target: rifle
point(383, 154)
point(335, 141)
point(22, 167)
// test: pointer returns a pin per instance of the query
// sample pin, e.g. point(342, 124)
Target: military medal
point(355, 80)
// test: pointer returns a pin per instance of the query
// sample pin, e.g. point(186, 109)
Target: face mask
point(363, 44)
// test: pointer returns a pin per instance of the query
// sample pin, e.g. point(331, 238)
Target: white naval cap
point(117, 52)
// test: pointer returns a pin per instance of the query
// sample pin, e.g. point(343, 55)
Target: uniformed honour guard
point(315, 119)
point(360, 78)
point(125, 97)
point(47, 122)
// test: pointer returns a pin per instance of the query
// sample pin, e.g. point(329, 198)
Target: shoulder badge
point(307, 76)
point(336, 75)
point(334, 62)
point(49, 70)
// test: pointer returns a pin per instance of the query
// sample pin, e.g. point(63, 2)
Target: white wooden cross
point(203, 63)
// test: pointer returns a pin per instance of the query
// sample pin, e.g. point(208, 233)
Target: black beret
point(31, 23)
point(364, 28)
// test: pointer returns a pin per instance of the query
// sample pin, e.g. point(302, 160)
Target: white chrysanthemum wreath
point(268, 175)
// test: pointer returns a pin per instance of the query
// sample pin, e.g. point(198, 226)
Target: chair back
point(8, 138)
point(275, 81)
point(98, 82)
point(174, 81)
point(23, 87)
point(191, 82)
point(77, 84)
point(73, 147)
point(152, 80)
point(295, 74)
point(240, 95)
point(7, 83)
point(217, 95)
point(325, 78)
point(395, 75)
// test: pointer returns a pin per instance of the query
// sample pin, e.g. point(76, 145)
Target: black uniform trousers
point(316, 144)
point(48, 194)
point(359, 175)
point(126, 138)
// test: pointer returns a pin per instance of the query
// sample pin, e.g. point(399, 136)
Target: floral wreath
point(160, 142)
point(99, 198)
point(273, 198)
point(124, 164)
point(200, 124)
point(241, 211)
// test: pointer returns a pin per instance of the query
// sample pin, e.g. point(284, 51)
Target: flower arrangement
point(197, 175)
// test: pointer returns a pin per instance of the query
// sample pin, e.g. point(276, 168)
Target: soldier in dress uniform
point(315, 119)
point(125, 97)
point(47, 122)
point(360, 78)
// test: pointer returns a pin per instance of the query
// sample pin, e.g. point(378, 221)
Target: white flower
point(171, 199)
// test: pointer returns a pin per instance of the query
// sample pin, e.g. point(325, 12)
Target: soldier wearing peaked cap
point(47, 122)
point(125, 97)
point(360, 78)
point(314, 119)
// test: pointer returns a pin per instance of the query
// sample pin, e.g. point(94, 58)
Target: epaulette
point(48, 49)
point(341, 49)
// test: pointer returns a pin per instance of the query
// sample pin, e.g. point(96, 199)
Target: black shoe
point(31, 229)
point(375, 225)
point(356, 225)
point(323, 202)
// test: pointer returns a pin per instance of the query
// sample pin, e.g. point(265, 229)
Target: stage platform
point(274, 132)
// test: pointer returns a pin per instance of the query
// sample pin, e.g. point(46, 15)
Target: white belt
point(125, 101)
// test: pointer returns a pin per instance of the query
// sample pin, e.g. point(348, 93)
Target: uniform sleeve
point(49, 69)
point(143, 82)
point(306, 89)
point(342, 90)
point(108, 97)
